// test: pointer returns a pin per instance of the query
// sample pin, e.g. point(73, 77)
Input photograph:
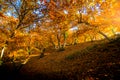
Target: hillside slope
point(98, 60)
point(85, 61)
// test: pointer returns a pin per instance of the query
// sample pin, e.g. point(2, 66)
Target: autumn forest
point(58, 39)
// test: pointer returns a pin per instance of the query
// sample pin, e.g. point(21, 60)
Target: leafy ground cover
point(98, 60)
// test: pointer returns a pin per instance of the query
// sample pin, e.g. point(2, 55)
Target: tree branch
point(15, 7)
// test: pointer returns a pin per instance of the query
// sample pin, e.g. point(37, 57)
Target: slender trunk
point(80, 18)
point(104, 35)
point(75, 41)
point(52, 42)
point(29, 50)
point(65, 36)
point(3, 49)
point(2, 52)
point(64, 43)
point(58, 41)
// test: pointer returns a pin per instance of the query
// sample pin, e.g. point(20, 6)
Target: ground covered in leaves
point(99, 60)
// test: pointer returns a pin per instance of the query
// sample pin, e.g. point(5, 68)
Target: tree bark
point(104, 35)
point(59, 45)
point(65, 36)
point(51, 41)
point(2, 52)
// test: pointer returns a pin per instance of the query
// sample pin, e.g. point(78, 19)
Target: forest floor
point(99, 60)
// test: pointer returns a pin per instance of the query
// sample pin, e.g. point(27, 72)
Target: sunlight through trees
point(28, 26)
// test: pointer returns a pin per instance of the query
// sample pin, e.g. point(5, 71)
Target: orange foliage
point(90, 17)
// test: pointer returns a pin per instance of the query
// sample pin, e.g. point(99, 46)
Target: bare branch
point(14, 7)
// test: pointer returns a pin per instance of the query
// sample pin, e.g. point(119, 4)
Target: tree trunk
point(29, 50)
point(2, 52)
point(104, 35)
point(65, 36)
point(59, 45)
point(75, 41)
point(64, 43)
point(53, 44)
point(51, 41)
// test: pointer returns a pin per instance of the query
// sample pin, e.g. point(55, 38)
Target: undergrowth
point(80, 53)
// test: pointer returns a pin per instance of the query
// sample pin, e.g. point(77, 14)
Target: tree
point(51, 20)
point(22, 16)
